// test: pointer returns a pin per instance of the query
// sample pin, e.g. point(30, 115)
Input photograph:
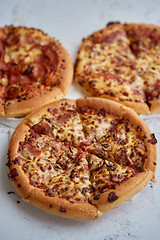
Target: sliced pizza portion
point(114, 183)
point(114, 87)
point(106, 175)
point(96, 123)
point(74, 184)
point(122, 144)
point(62, 122)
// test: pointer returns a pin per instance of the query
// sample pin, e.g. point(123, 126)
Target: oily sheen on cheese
point(81, 158)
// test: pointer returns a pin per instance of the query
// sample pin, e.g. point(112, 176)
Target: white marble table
point(69, 21)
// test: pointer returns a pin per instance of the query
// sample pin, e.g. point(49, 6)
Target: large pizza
point(35, 69)
point(81, 158)
point(122, 62)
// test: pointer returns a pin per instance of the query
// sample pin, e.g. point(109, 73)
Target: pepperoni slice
point(12, 92)
point(88, 141)
point(43, 128)
point(63, 118)
point(25, 80)
point(12, 39)
point(33, 150)
point(14, 77)
point(38, 70)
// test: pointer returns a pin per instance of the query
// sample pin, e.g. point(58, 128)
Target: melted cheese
point(115, 70)
point(78, 170)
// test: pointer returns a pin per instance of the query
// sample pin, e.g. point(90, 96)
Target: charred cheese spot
point(62, 209)
point(112, 197)
point(13, 174)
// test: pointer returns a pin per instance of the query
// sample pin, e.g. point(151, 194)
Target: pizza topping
point(63, 118)
point(29, 149)
point(13, 174)
point(112, 197)
point(17, 160)
point(28, 71)
point(88, 141)
point(97, 197)
point(62, 209)
point(43, 128)
point(12, 92)
point(49, 193)
point(153, 139)
point(51, 206)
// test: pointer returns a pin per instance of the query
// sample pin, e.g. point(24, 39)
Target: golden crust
point(138, 107)
point(123, 192)
point(61, 207)
point(131, 25)
point(92, 209)
point(18, 136)
point(155, 106)
point(17, 109)
point(35, 116)
point(63, 76)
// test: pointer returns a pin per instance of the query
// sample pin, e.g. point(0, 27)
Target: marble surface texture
point(70, 21)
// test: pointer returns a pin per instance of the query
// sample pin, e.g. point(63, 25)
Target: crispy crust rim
point(15, 108)
point(83, 211)
point(138, 107)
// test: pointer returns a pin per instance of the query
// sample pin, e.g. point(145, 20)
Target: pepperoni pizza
point(34, 70)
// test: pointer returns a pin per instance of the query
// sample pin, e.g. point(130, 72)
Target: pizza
point(81, 158)
point(122, 62)
point(35, 69)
